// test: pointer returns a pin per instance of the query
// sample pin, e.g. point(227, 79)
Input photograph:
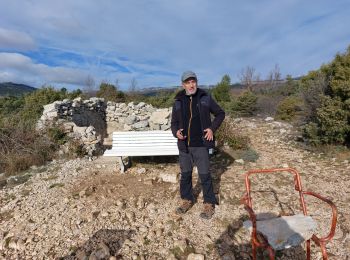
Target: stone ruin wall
point(92, 121)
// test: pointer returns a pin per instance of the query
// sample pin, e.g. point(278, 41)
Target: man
point(191, 124)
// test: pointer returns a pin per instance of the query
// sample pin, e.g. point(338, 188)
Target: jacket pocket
point(209, 144)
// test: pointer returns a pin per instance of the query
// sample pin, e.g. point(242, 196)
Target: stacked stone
point(66, 109)
point(90, 120)
point(140, 117)
point(75, 117)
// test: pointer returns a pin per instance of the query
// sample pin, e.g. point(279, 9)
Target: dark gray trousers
point(198, 156)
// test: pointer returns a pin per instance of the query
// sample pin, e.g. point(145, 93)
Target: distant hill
point(13, 89)
point(154, 91)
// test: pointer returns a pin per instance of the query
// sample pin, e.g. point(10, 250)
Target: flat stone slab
point(286, 231)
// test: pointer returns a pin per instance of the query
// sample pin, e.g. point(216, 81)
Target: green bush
point(289, 88)
point(34, 102)
point(244, 104)
point(330, 123)
point(11, 105)
point(289, 108)
point(221, 92)
point(110, 93)
point(163, 100)
point(314, 88)
point(270, 97)
point(312, 133)
point(333, 121)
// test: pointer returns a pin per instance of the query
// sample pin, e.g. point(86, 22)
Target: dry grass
point(21, 147)
point(227, 135)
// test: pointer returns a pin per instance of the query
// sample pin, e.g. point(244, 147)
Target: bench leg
point(129, 161)
point(123, 167)
point(121, 164)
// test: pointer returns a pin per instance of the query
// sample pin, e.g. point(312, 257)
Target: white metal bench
point(142, 143)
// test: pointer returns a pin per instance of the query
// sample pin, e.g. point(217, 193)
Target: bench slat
point(139, 152)
point(121, 146)
point(142, 132)
point(144, 135)
point(155, 139)
point(142, 143)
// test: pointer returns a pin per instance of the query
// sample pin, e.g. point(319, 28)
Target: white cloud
point(15, 40)
point(19, 68)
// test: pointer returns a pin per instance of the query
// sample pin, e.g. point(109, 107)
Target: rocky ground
point(83, 209)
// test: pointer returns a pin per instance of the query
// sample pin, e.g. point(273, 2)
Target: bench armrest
point(334, 216)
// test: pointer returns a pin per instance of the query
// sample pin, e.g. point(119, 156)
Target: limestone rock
point(160, 117)
point(169, 177)
point(193, 256)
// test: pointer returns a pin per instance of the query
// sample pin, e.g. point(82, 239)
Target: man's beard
point(190, 94)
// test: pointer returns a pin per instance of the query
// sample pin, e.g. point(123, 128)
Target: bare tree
point(248, 77)
point(89, 87)
point(133, 86)
point(117, 87)
point(274, 76)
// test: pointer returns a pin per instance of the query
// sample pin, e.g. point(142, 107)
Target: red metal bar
point(297, 183)
point(324, 251)
point(334, 216)
point(308, 250)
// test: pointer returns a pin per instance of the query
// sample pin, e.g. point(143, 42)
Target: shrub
point(333, 121)
point(314, 88)
point(221, 92)
point(76, 149)
point(163, 100)
point(57, 135)
point(311, 132)
point(34, 102)
point(11, 105)
point(267, 105)
point(227, 135)
point(244, 104)
point(288, 88)
point(289, 108)
point(110, 93)
point(21, 147)
point(332, 116)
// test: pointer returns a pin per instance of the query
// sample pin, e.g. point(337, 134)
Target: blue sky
point(62, 43)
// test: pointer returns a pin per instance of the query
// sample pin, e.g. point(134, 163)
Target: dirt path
point(82, 209)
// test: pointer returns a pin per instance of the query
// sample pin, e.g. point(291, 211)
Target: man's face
point(190, 86)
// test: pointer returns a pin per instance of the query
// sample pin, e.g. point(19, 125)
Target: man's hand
point(209, 136)
point(180, 135)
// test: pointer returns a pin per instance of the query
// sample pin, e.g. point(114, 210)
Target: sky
point(150, 43)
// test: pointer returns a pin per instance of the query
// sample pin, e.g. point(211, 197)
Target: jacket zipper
point(189, 123)
point(200, 115)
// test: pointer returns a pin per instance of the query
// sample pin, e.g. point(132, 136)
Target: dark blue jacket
point(206, 106)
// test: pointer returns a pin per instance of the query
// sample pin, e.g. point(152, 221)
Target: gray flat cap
point(188, 74)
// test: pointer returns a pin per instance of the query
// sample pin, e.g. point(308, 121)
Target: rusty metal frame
point(258, 240)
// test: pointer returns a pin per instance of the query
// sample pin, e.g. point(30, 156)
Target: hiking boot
point(208, 211)
point(185, 206)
